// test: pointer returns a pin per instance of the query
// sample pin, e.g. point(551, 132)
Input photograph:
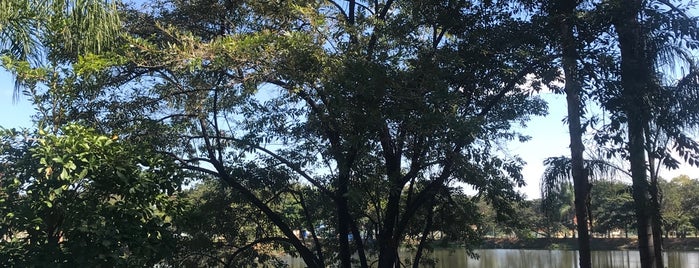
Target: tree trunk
point(343, 226)
point(359, 243)
point(640, 194)
point(388, 256)
point(564, 14)
point(653, 163)
point(636, 80)
point(656, 220)
point(311, 229)
point(580, 179)
point(423, 239)
point(388, 238)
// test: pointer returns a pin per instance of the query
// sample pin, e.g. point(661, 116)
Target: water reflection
point(521, 258)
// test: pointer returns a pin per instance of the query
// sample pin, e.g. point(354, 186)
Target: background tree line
point(611, 210)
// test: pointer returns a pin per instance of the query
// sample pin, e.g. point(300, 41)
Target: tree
point(401, 94)
point(678, 204)
point(557, 208)
point(75, 196)
point(563, 13)
point(217, 228)
point(639, 84)
point(83, 199)
point(612, 207)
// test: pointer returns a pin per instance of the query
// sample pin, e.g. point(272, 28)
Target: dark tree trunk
point(359, 243)
point(581, 183)
point(388, 256)
point(564, 13)
point(640, 194)
point(343, 219)
point(656, 220)
point(388, 238)
point(637, 80)
point(423, 239)
point(311, 229)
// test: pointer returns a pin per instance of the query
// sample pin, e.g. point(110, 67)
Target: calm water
point(557, 259)
point(521, 258)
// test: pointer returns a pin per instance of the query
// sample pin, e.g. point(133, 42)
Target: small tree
point(83, 199)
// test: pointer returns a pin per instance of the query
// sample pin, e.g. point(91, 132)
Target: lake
point(526, 258)
point(490, 258)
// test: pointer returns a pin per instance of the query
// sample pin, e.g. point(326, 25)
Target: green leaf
point(82, 174)
point(57, 159)
point(48, 204)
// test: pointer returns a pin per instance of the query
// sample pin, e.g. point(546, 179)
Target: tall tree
point(641, 100)
point(398, 94)
point(564, 14)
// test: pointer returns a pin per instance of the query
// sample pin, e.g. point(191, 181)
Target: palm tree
point(646, 102)
point(563, 14)
point(558, 176)
point(55, 30)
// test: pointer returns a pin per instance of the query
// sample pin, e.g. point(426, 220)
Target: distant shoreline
point(677, 244)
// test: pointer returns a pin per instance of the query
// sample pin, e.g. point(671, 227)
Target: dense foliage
point(82, 199)
point(227, 133)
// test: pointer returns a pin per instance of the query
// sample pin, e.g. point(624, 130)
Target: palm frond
point(71, 28)
point(558, 173)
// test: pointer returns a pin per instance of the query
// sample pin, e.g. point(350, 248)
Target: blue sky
point(549, 134)
point(13, 115)
point(550, 138)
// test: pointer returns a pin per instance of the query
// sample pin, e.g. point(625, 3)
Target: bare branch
point(339, 8)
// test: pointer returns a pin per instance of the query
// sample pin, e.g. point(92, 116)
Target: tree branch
point(508, 88)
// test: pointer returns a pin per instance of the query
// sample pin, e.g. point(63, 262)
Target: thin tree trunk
point(573, 90)
point(311, 229)
point(581, 183)
point(359, 243)
point(343, 225)
point(388, 243)
point(656, 219)
point(423, 239)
